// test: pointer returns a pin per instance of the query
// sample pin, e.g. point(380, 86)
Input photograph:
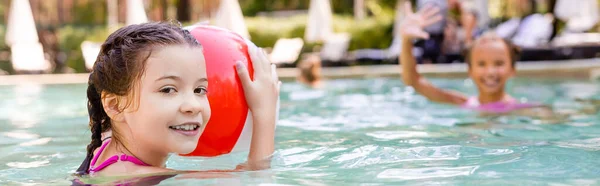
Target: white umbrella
point(21, 25)
point(27, 53)
point(319, 21)
point(229, 16)
point(136, 13)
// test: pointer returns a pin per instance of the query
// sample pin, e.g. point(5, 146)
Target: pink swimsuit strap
point(113, 159)
point(497, 107)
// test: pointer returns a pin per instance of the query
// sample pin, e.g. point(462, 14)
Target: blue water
point(353, 132)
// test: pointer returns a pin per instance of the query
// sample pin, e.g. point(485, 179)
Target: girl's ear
point(111, 106)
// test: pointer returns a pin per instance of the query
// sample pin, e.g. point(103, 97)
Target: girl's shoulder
point(153, 177)
point(152, 170)
point(124, 168)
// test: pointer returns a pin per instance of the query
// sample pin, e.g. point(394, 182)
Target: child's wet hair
point(120, 65)
point(513, 50)
point(308, 68)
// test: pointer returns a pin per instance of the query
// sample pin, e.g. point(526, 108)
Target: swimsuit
point(112, 160)
point(497, 107)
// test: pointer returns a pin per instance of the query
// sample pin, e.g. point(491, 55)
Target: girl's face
point(172, 106)
point(491, 66)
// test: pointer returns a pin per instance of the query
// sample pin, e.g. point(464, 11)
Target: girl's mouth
point(187, 129)
point(491, 82)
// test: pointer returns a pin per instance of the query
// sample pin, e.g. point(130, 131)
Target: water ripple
point(392, 135)
point(41, 141)
point(373, 155)
point(25, 165)
point(427, 173)
point(20, 135)
point(586, 144)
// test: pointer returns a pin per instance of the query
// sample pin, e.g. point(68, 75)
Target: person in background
point(310, 71)
point(491, 62)
point(449, 36)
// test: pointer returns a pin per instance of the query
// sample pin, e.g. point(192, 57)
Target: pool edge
point(585, 69)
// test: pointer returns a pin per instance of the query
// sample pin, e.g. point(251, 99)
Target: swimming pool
point(355, 131)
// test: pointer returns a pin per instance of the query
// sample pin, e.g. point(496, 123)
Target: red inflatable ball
point(230, 126)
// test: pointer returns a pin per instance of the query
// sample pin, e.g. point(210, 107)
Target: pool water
point(353, 132)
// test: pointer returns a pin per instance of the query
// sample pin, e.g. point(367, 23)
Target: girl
point(148, 88)
point(491, 62)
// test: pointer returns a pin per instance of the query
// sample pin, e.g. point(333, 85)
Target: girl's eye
point(481, 64)
point(499, 63)
point(168, 90)
point(200, 90)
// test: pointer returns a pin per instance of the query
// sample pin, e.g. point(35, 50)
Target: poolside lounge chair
point(532, 34)
point(570, 39)
point(90, 52)
point(508, 29)
point(286, 51)
point(580, 16)
point(535, 30)
point(577, 45)
point(389, 54)
point(335, 49)
point(571, 44)
point(531, 31)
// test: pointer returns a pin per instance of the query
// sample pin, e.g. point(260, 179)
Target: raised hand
point(413, 24)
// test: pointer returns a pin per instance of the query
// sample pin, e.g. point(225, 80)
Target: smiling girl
point(149, 88)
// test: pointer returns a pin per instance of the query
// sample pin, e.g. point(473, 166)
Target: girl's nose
point(491, 70)
point(192, 105)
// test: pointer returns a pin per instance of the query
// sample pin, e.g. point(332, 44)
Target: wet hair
point(119, 67)
point(513, 50)
point(309, 69)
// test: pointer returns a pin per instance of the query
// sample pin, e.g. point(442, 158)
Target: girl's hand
point(262, 96)
point(413, 24)
point(261, 93)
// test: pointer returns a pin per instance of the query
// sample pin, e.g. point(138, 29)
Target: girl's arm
point(262, 95)
point(412, 28)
